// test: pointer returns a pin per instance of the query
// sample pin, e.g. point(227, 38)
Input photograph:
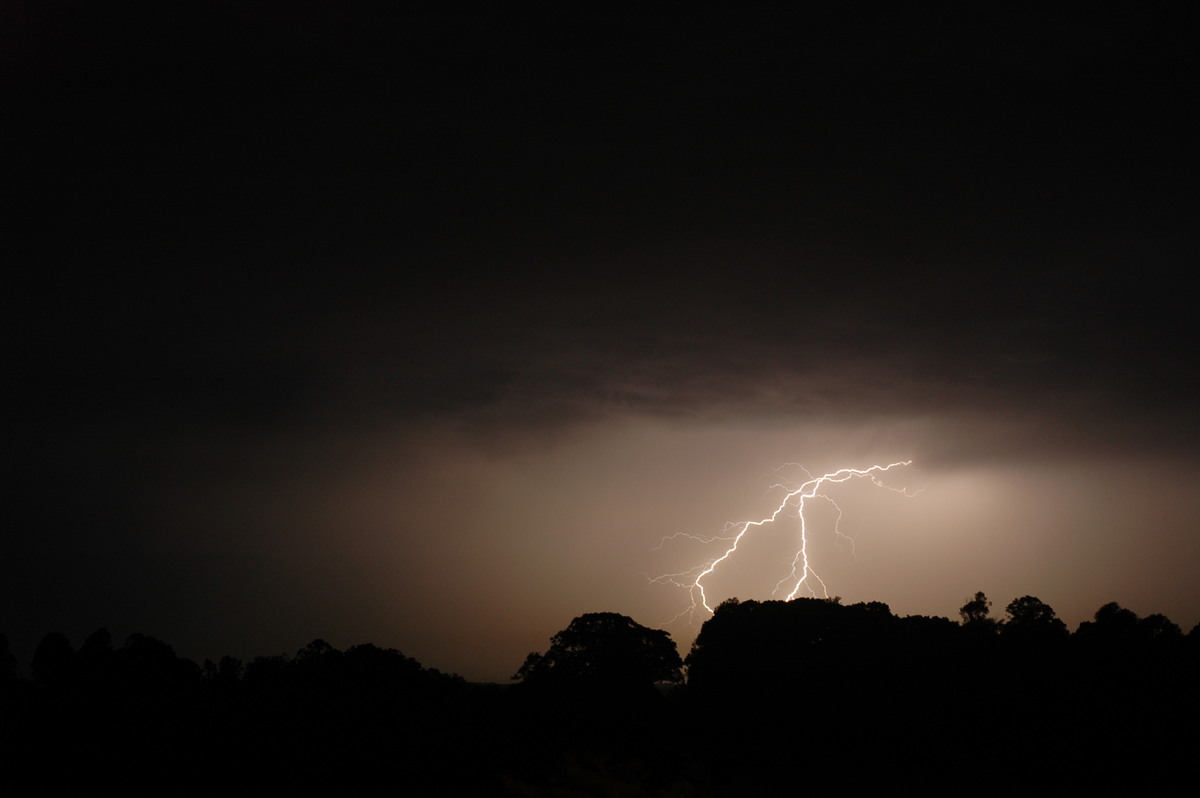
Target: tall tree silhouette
point(974, 615)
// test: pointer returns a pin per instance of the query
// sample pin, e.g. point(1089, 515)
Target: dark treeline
point(858, 700)
point(812, 694)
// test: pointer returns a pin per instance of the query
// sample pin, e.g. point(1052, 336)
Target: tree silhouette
point(607, 652)
point(1031, 620)
point(974, 615)
point(841, 683)
point(1159, 628)
point(1112, 623)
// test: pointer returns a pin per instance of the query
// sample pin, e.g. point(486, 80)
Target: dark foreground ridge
point(778, 696)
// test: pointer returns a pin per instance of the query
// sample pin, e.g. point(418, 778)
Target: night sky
point(422, 324)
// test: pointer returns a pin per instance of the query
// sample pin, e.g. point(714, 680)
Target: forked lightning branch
point(800, 578)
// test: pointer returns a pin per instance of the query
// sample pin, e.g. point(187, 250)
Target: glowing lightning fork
point(801, 571)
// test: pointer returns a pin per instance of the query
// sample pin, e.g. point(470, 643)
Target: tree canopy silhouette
point(975, 618)
point(842, 684)
point(1031, 620)
point(604, 651)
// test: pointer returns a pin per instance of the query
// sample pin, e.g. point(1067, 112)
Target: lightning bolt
point(802, 576)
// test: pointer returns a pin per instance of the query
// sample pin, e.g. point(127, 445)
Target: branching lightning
point(802, 577)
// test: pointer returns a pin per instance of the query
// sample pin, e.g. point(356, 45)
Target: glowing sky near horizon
point(511, 544)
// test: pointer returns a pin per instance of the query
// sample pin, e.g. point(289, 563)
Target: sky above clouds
point(424, 327)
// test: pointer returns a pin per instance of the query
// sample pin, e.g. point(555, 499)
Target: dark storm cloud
point(728, 330)
point(488, 229)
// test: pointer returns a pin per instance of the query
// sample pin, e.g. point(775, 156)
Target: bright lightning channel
point(802, 575)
